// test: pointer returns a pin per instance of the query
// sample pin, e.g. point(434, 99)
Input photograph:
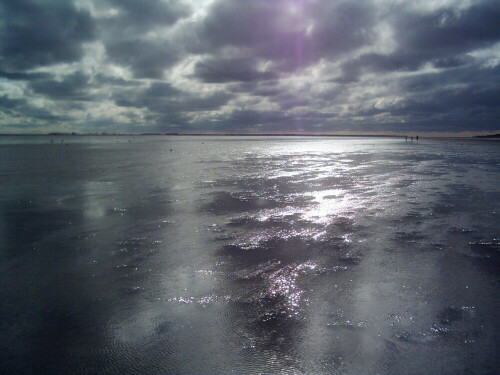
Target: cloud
point(448, 31)
point(41, 33)
point(126, 40)
point(163, 101)
point(134, 16)
point(293, 34)
point(250, 66)
point(160, 90)
point(220, 70)
point(459, 78)
point(22, 76)
point(71, 87)
point(146, 59)
point(20, 109)
point(448, 100)
point(105, 80)
point(442, 38)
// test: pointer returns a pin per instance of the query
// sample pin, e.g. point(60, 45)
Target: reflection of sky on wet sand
point(252, 255)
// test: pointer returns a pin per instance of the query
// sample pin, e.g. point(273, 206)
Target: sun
point(294, 7)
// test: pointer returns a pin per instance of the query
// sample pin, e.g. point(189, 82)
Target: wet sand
point(249, 256)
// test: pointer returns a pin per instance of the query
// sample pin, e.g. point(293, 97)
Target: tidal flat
point(249, 255)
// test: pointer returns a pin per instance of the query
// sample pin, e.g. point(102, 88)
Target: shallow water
point(248, 255)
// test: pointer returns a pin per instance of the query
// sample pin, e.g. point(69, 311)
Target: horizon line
point(495, 134)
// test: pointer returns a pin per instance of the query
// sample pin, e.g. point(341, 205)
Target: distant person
point(417, 138)
point(406, 138)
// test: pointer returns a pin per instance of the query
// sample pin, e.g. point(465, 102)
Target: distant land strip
point(63, 134)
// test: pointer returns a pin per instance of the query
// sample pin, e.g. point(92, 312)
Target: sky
point(250, 66)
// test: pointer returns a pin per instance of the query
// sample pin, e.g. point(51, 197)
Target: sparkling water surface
point(248, 255)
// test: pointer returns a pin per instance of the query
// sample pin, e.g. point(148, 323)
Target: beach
point(248, 255)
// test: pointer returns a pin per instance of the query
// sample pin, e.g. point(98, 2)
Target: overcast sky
point(249, 66)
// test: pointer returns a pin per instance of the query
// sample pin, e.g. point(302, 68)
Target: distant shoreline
point(196, 134)
point(488, 136)
point(73, 134)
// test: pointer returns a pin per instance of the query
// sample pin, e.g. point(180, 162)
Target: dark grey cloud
point(220, 70)
point(453, 61)
point(442, 37)
point(464, 77)
point(70, 87)
point(241, 120)
point(22, 76)
point(105, 80)
point(168, 122)
point(205, 103)
point(135, 16)
point(8, 104)
point(146, 59)
point(125, 35)
point(448, 31)
point(267, 90)
point(162, 98)
point(449, 100)
point(21, 109)
point(291, 100)
point(445, 101)
point(160, 90)
point(40, 33)
point(342, 26)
